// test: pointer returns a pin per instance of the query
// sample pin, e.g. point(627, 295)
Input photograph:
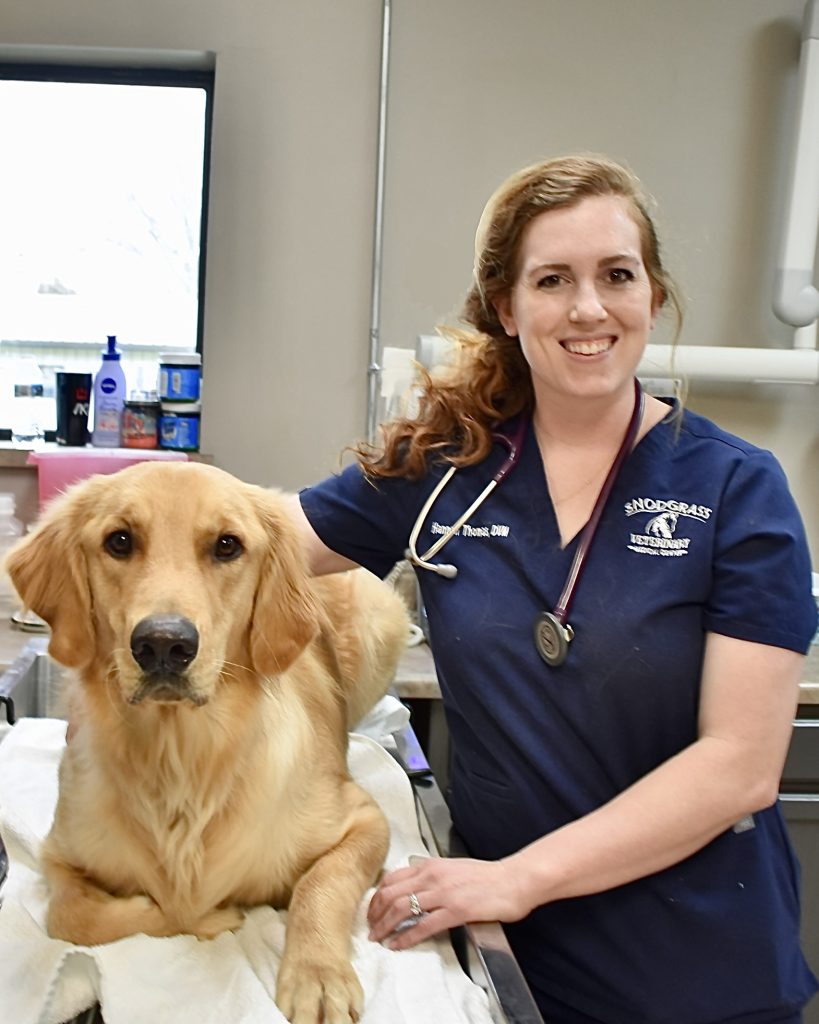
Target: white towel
point(180, 979)
point(388, 717)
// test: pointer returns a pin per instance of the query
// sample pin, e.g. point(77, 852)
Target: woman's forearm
point(660, 820)
point(748, 697)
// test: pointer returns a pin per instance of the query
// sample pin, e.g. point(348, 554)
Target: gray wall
point(696, 95)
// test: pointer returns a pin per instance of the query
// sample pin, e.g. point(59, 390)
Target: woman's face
point(582, 304)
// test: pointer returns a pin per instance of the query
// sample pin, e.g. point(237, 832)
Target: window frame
point(126, 70)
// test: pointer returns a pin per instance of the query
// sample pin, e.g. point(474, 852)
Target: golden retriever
point(215, 683)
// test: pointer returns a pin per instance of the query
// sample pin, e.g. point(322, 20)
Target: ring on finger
point(415, 906)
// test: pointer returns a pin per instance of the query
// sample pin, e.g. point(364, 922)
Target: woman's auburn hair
point(489, 380)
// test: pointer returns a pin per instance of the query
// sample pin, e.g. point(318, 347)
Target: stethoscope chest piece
point(552, 638)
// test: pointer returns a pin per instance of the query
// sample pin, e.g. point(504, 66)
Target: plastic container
point(109, 398)
point(140, 421)
point(180, 376)
point(11, 529)
point(29, 413)
point(179, 426)
point(57, 470)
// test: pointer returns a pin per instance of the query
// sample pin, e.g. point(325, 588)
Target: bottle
point(29, 410)
point(109, 397)
point(11, 529)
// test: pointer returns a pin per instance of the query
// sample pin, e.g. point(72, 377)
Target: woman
point(620, 803)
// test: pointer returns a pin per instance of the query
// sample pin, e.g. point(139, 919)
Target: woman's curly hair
point(489, 380)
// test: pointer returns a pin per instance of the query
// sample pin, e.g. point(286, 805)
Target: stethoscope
point(552, 633)
point(514, 446)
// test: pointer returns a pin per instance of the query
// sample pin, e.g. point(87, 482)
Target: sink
point(31, 686)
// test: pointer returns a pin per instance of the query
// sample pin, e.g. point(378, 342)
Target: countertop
point(13, 456)
point(415, 677)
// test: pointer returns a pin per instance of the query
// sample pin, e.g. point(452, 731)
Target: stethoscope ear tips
point(450, 571)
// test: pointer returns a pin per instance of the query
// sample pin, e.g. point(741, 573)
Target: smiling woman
point(616, 792)
point(103, 207)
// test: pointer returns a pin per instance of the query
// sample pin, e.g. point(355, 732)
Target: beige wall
point(695, 95)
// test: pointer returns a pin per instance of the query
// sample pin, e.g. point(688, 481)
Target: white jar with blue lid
point(180, 376)
point(179, 424)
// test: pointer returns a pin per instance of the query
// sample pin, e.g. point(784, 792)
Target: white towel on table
point(180, 979)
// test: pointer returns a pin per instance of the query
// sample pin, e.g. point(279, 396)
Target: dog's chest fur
point(187, 800)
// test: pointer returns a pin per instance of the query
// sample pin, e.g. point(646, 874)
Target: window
point(103, 195)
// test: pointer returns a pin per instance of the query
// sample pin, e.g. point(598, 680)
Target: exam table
point(28, 688)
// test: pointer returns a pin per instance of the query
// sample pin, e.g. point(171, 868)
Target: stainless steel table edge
point(482, 949)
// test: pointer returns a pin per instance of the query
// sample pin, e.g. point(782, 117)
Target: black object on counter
point(73, 400)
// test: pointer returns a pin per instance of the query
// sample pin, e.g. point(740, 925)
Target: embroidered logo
point(660, 533)
point(663, 525)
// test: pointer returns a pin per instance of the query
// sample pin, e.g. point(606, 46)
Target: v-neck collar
point(531, 450)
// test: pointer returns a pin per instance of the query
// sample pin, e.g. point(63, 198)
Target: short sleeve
point(364, 519)
point(762, 573)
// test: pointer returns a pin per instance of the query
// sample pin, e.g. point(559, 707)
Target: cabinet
point(799, 796)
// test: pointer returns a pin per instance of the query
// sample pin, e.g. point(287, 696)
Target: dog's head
point(170, 576)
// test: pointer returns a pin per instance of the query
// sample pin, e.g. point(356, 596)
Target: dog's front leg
point(316, 980)
point(80, 911)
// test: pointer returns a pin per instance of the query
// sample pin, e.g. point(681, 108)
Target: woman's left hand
point(449, 893)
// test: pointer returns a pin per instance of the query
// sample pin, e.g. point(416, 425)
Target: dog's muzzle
point(164, 646)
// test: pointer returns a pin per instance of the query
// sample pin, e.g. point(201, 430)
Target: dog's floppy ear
point(48, 570)
point(285, 615)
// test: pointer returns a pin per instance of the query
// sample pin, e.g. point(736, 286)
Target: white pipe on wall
point(692, 362)
point(707, 362)
point(796, 299)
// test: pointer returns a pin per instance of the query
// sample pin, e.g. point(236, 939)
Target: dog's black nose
point(164, 644)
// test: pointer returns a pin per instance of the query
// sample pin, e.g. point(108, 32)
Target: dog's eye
point(119, 544)
point(227, 548)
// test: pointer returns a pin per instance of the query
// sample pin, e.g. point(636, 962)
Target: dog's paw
point(223, 919)
point(308, 992)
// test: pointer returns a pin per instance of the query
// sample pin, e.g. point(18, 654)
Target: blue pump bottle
point(109, 396)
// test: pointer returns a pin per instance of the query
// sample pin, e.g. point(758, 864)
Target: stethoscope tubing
point(514, 444)
point(564, 602)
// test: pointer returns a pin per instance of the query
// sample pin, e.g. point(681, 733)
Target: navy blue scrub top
point(700, 534)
